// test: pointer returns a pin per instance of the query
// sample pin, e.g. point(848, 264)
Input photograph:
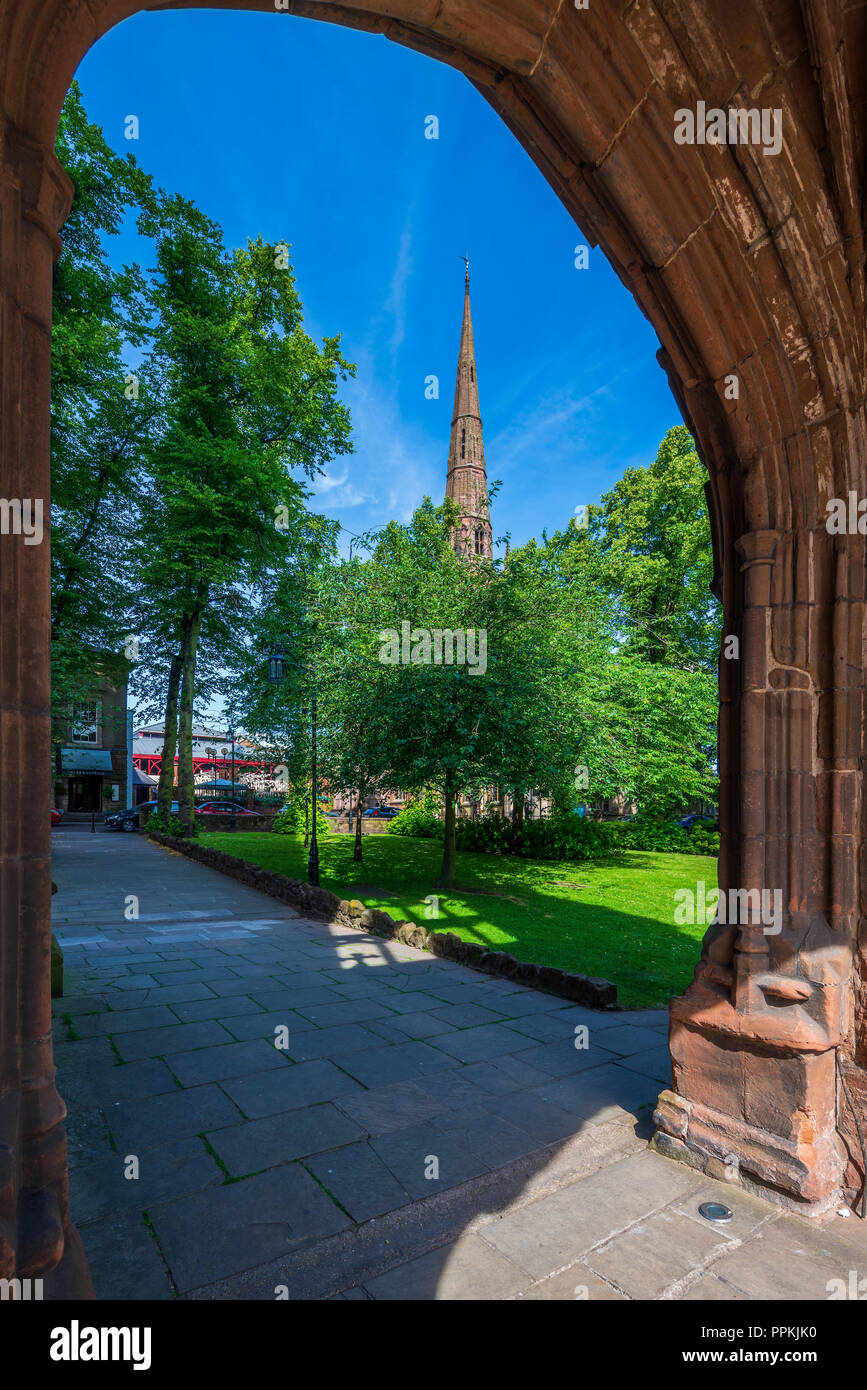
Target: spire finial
point(466, 261)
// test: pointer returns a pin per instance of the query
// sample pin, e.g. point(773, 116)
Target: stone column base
point(70, 1280)
point(799, 1176)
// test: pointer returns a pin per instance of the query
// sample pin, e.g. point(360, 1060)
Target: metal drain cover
point(715, 1211)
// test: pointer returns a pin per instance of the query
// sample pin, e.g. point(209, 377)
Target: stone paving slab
point(256, 1144)
point(379, 1066)
point(410, 1155)
point(125, 1259)
point(225, 1061)
point(290, 1088)
point(412, 1024)
point(490, 1137)
point(104, 1083)
point(162, 1042)
point(429, 1133)
point(142, 1124)
point(467, 1269)
point(656, 1253)
point(577, 1283)
point(359, 1181)
point(550, 1233)
point(215, 1232)
point(170, 1170)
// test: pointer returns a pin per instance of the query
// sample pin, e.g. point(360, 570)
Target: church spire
point(466, 480)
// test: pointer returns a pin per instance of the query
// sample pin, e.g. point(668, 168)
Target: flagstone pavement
point(264, 1107)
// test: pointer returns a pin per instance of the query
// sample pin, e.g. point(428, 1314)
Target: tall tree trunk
point(170, 742)
point(517, 815)
point(357, 852)
point(189, 650)
point(447, 873)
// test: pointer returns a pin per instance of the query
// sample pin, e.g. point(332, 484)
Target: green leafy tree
point(250, 399)
point(100, 420)
point(491, 713)
point(647, 549)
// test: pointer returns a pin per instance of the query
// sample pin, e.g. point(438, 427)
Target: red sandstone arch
point(744, 263)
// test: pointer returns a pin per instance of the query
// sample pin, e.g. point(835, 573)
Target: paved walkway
point(264, 1107)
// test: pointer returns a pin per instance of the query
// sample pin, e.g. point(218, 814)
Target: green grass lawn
point(613, 918)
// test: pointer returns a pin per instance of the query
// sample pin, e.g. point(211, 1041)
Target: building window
point(479, 541)
point(463, 443)
point(85, 723)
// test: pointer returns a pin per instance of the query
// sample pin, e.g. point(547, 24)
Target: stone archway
point(750, 266)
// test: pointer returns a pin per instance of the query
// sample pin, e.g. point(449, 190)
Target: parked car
point(383, 812)
point(689, 823)
point(56, 816)
point(129, 820)
point(223, 808)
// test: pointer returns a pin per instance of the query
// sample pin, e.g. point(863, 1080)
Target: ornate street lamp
point(232, 740)
point(276, 668)
point(276, 674)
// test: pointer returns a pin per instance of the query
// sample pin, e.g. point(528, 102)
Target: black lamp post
point(313, 858)
point(277, 673)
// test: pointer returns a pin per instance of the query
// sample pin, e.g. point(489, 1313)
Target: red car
point(222, 808)
point(56, 816)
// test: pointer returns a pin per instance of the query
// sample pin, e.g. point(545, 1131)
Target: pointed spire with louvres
point(467, 480)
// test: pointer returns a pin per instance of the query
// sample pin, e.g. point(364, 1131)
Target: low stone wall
point(369, 826)
point(322, 905)
point(206, 823)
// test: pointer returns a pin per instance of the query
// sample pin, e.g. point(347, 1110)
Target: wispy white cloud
point(395, 463)
point(552, 426)
point(395, 304)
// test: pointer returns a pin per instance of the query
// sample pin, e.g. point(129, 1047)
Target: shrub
point(563, 836)
point(560, 836)
point(419, 820)
point(170, 824)
point(664, 838)
point(704, 841)
point(642, 832)
point(292, 818)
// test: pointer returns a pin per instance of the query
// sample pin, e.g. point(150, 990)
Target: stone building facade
point(91, 752)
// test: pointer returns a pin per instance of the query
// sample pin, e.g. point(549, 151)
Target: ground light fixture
point(716, 1212)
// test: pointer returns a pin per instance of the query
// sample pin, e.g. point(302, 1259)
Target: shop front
point(88, 775)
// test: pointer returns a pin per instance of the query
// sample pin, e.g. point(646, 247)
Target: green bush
point(487, 835)
point(562, 836)
point(170, 824)
point(642, 832)
point(703, 841)
point(419, 820)
point(664, 838)
point(292, 818)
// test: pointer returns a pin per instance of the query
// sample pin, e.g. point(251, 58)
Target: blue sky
point(301, 131)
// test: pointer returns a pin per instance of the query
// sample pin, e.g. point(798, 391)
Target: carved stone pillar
point(36, 1238)
point(754, 1039)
